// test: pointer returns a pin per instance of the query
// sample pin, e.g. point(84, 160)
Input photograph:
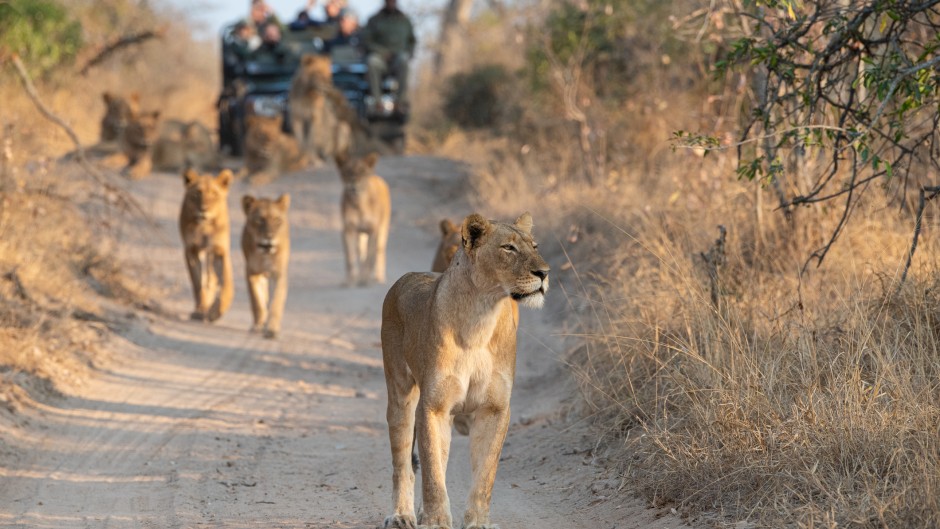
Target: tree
point(851, 84)
point(41, 31)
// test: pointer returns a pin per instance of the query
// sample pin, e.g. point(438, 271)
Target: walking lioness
point(367, 210)
point(449, 347)
point(204, 226)
point(266, 243)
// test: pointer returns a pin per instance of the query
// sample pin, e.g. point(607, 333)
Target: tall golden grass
point(806, 396)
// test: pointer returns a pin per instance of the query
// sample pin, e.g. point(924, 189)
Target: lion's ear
point(224, 178)
point(247, 201)
point(473, 229)
point(371, 159)
point(190, 176)
point(284, 201)
point(524, 222)
point(448, 227)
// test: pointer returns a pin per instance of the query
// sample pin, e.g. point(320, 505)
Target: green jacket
point(389, 32)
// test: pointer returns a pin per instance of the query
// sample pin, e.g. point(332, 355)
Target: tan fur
point(366, 209)
point(185, 144)
point(314, 118)
point(268, 151)
point(204, 227)
point(447, 249)
point(266, 244)
point(137, 143)
point(449, 347)
point(118, 113)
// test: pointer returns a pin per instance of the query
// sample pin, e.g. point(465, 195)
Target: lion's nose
point(541, 273)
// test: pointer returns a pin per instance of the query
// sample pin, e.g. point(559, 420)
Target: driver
point(389, 40)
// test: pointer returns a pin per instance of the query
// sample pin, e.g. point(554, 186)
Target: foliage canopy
point(41, 31)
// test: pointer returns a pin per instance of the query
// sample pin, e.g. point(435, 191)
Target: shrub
point(41, 31)
point(479, 98)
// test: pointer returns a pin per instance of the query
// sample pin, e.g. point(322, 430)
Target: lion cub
point(119, 111)
point(137, 143)
point(268, 151)
point(316, 108)
point(449, 348)
point(266, 243)
point(447, 249)
point(204, 226)
point(367, 210)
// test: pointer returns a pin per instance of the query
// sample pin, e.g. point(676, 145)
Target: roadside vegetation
point(736, 188)
point(62, 288)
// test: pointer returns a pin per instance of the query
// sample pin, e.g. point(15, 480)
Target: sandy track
point(210, 426)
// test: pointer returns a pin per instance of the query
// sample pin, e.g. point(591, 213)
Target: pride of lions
point(448, 336)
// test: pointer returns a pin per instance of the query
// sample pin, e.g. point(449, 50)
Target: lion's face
point(206, 195)
point(505, 256)
point(118, 113)
point(266, 221)
point(142, 130)
point(354, 170)
point(314, 66)
point(263, 134)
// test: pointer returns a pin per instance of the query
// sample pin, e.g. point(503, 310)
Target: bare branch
point(122, 42)
point(124, 199)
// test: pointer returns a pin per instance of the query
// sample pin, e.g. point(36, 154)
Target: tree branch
point(122, 42)
point(124, 199)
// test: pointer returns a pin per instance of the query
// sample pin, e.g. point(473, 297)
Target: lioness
point(184, 144)
point(266, 243)
point(447, 249)
point(137, 143)
point(118, 113)
point(449, 347)
point(204, 227)
point(367, 209)
point(268, 151)
point(314, 117)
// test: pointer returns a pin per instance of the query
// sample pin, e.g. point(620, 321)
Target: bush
point(41, 31)
point(479, 98)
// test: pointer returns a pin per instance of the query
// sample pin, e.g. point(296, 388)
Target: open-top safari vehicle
point(261, 87)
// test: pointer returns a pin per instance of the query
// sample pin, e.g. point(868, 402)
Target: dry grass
point(61, 286)
point(800, 400)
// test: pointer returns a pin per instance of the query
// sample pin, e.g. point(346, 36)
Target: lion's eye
point(535, 245)
point(510, 247)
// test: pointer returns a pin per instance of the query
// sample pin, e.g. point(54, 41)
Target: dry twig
point(922, 203)
point(123, 42)
point(714, 259)
point(122, 197)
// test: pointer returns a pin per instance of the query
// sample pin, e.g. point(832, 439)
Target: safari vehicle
point(256, 87)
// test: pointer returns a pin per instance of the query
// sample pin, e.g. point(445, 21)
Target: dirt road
point(195, 425)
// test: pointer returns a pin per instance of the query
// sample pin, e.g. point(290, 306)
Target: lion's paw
point(401, 521)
